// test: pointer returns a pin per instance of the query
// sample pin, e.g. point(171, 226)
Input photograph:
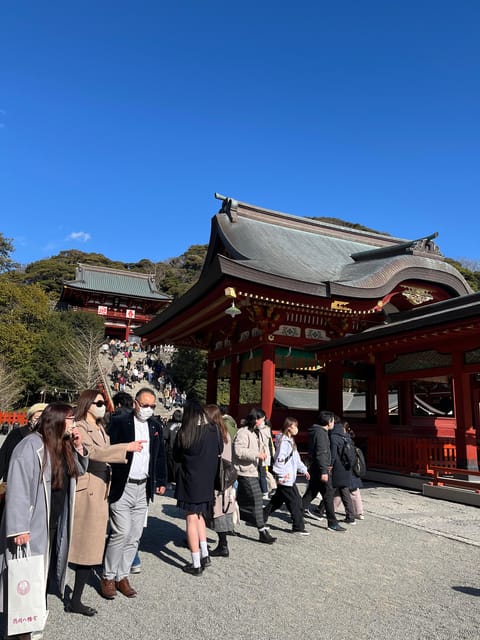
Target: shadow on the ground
point(469, 591)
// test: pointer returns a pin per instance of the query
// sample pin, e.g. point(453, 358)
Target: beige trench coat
point(91, 496)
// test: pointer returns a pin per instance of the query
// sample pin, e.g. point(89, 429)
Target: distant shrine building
point(390, 328)
point(124, 299)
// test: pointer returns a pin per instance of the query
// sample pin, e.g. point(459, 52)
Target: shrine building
point(388, 326)
point(126, 300)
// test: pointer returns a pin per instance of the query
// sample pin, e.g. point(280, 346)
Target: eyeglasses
point(99, 403)
point(145, 406)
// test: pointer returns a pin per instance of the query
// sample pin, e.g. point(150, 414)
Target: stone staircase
point(107, 364)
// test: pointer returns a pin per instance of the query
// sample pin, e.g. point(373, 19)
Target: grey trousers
point(127, 518)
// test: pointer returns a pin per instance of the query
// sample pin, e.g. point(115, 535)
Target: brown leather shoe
point(124, 587)
point(108, 589)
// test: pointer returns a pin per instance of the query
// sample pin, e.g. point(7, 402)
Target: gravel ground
point(409, 571)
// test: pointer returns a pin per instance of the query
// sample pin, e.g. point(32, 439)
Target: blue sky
point(119, 120)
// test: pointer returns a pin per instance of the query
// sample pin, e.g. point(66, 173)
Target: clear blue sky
point(119, 120)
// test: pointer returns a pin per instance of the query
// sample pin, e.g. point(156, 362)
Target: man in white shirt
point(132, 486)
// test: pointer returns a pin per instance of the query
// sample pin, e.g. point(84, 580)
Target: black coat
point(198, 466)
point(122, 429)
point(319, 449)
point(13, 438)
point(341, 476)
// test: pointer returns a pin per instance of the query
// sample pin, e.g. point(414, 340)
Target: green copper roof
point(92, 278)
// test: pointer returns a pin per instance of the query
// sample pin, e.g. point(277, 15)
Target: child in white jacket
point(287, 463)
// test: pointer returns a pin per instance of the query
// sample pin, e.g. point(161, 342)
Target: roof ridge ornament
point(229, 206)
point(421, 245)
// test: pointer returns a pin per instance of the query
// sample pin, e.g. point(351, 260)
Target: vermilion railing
point(11, 417)
point(407, 454)
point(458, 478)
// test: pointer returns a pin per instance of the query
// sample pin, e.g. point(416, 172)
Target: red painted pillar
point(234, 385)
point(268, 378)
point(212, 382)
point(465, 434)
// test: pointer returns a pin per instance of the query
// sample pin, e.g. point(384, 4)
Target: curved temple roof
point(89, 277)
point(305, 257)
point(346, 261)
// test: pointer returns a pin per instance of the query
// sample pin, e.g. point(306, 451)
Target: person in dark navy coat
point(133, 485)
point(340, 440)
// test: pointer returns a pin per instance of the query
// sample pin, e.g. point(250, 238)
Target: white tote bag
point(27, 608)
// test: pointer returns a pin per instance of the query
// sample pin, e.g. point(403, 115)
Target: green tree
point(465, 267)
point(6, 248)
point(46, 369)
point(24, 310)
point(188, 369)
point(179, 274)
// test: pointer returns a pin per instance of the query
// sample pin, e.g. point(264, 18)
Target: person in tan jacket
point(248, 453)
point(91, 503)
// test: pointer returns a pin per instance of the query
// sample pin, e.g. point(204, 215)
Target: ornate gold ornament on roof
point(415, 295)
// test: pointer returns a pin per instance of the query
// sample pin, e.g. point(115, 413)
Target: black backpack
point(348, 455)
point(359, 466)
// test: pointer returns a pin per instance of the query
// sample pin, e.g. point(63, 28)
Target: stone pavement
point(409, 571)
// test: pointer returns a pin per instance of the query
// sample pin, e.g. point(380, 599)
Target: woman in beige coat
point(225, 503)
point(91, 496)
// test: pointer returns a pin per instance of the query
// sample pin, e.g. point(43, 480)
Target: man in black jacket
point(320, 469)
point(132, 486)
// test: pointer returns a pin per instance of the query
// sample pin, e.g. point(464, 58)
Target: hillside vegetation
point(33, 337)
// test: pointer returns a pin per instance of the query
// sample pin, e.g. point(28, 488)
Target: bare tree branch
point(81, 364)
point(11, 388)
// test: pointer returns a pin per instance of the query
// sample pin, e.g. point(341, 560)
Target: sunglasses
point(145, 406)
point(99, 403)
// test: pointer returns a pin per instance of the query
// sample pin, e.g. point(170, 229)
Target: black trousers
point(291, 498)
point(316, 486)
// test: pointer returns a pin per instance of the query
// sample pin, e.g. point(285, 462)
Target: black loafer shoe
point(81, 609)
point(193, 571)
point(205, 562)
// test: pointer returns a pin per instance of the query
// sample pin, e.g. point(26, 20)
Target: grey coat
point(27, 507)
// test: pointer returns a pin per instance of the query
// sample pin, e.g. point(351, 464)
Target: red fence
point(12, 417)
point(407, 454)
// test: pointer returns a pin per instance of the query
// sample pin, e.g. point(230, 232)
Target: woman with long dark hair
point(196, 449)
point(41, 488)
point(91, 503)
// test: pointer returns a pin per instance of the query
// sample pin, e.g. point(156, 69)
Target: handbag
point(271, 482)
point(27, 606)
point(226, 475)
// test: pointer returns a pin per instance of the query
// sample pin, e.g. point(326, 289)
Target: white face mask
point(144, 413)
point(97, 412)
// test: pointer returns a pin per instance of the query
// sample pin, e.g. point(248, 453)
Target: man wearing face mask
point(132, 486)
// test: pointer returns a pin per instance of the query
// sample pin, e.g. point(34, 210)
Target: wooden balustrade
point(409, 454)
point(452, 477)
point(11, 417)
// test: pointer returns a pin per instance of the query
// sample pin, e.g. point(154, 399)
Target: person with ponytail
point(42, 476)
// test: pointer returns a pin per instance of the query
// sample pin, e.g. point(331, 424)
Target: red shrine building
point(390, 328)
point(125, 300)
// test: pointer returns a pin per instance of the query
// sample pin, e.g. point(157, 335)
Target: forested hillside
point(34, 338)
